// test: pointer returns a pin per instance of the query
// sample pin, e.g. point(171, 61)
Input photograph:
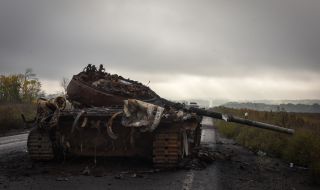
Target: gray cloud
point(276, 39)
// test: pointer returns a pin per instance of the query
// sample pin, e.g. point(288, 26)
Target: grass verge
point(302, 148)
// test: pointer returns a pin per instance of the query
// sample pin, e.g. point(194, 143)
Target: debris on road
point(62, 179)
point(86, 171)
point(119, 176)
point(202, 157)
point(261, 153)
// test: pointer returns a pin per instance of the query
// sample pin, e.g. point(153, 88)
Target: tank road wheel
point(39, 146)
point(167, 151)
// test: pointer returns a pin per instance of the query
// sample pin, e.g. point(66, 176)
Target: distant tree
point(10, 88)
point(31, 86)
point(64, 84)
point(29, 74)
point(19, 87)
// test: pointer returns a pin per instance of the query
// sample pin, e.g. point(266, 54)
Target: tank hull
point(92, 135)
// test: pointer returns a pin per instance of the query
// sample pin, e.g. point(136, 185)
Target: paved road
point(13, 143)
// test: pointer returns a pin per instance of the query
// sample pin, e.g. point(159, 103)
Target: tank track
point(167, 149)
point(39, 146)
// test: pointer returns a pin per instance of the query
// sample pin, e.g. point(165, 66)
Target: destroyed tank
point(117, 117)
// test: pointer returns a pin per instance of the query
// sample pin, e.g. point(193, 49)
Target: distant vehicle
point(193, 105)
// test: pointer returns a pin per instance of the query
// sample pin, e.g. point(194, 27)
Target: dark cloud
point(224, 39)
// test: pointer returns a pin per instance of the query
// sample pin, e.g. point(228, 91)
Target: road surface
point(14, 143)
point(235, 168)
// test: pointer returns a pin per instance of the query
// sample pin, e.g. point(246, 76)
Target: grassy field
point(10, 115)
point(302, 148)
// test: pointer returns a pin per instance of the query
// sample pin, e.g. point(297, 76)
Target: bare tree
point(31, 86)
point(64, 84)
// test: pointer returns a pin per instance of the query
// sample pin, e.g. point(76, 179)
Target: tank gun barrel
point(234, 119)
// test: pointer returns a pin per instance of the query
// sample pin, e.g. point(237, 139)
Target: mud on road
point(232, 167)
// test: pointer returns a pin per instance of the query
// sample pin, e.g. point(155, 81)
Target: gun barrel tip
point(291, 131)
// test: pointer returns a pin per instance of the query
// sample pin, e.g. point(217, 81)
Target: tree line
point(19, 88)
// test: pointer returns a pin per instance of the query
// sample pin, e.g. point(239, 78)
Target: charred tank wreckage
point(113, 116)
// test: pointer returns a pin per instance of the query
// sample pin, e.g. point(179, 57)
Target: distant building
point(193, 105)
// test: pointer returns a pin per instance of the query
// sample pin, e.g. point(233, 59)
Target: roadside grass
point(302, 148)
point(10, 116)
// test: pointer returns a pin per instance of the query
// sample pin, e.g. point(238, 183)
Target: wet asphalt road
point(180, 179)
point(14, 143)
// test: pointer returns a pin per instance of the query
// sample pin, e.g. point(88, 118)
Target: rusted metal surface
point(100, 131)
point(39, 145)
point(174, 142)
point(107, 89)
point(95, 138)
point(167, 149)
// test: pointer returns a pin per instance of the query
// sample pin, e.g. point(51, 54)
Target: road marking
point(207, 137)
point(207, 121)
point(188, 180)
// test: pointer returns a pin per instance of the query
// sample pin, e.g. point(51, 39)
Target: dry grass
point(302, 148)
point(10, 115)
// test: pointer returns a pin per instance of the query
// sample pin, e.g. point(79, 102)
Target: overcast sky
point(215, 49)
